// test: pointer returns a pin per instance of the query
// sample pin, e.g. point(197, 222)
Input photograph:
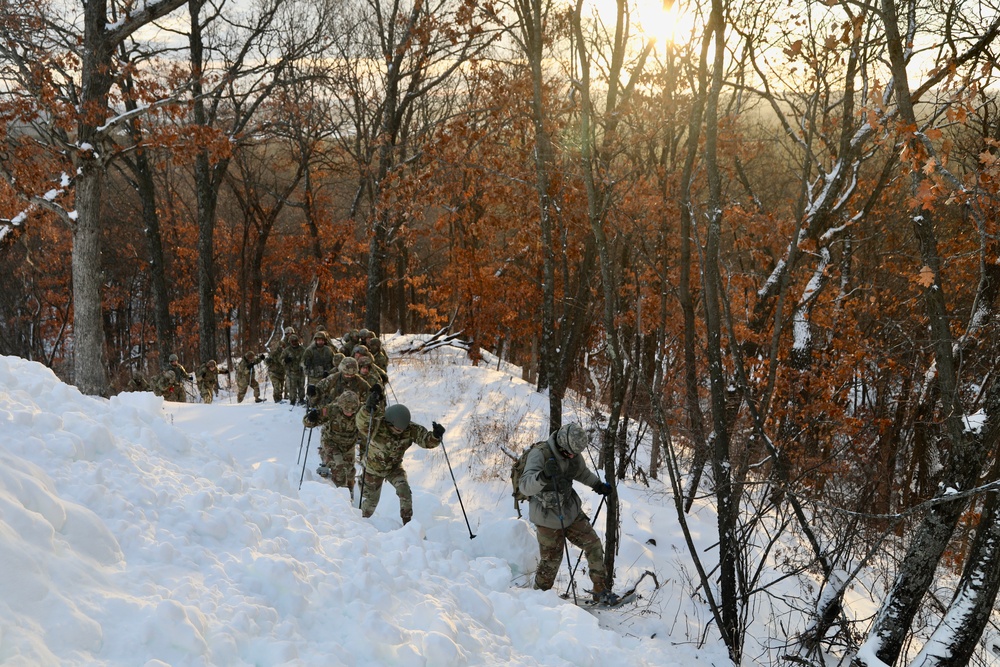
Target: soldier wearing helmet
point(246, 376)
point(172, 381)
point(208, 380)
point(295, 382)
point(346, 378)
point(389, 434)
point(555, 508)
point(379, 356)
point(318, 358)
point(339, 439)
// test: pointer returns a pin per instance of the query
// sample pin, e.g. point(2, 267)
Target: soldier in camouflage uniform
point(555, 508)
point(294, 374)
point(349, 340)
point(346, 378)
point(276, 370)
point(374, 346)
point(245, 377)
point(208, 380)
point(318, 358)
point(172, 381)
point(138, 382)
point(339, 439)
point(368, 373)
point(392, 434)
point(363, 355)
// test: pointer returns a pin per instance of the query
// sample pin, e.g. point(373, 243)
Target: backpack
point(515, 475)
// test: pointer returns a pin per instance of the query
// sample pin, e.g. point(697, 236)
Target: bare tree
point(36, 35)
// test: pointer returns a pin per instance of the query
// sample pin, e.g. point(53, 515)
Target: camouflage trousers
point(372, 491)
point(295, 385)
point(241, 389)
point(278, 385)
point(206, 394)
point(340, 461)
point(550, 549)
point(175, 393)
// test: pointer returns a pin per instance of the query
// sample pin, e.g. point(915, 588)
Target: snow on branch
point(440, 339)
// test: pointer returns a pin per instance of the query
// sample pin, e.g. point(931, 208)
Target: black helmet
point(397, 415)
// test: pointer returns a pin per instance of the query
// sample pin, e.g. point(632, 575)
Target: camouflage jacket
point(338, 429)
point(332, 386)
point(317, 360)
point(386, 449)
point(550, 497)
point(173, 377)
point(244, 371)
point(274, 360)
point(169, 383)
point(381, 360)
point(207, 378)
point(292, 359)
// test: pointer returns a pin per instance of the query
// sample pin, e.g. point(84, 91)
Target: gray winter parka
point(544, 502)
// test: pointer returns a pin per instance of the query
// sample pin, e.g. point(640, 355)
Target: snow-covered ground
point(138, 532)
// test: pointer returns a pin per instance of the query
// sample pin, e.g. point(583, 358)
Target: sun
point(665, 21)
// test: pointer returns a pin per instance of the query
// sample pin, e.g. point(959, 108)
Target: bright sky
point(134, 532)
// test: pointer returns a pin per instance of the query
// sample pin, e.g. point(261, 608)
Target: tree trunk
point(90, 356)
point(206, 194)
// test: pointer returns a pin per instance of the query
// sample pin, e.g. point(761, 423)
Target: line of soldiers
point(380, 435)
point(290, 365)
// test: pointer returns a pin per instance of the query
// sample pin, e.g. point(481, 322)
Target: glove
point(311, 390)
point(551, 468)
point(288, 358)
point(603, 488)
point(191, 377)
point(374, 396)
point(438, 430)
point(312, 414)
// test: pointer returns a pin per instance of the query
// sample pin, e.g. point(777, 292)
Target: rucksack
point(515, 475)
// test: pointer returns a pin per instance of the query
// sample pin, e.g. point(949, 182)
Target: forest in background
point(768, 244)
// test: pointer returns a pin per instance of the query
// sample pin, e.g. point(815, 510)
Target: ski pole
point(460, 503)
point(364, 457)
point(304, 459)
point(301, 440)
point(580, 557)
point(562, 525)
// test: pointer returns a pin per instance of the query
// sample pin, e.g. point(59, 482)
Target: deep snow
point(138, 532)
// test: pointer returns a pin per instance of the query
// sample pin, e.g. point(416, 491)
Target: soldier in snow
point(172, 381)
point(346, 378)
point(339, 439)
point(392, 433)
point(246, 377)
point(276, 370)
point(208, 380)
point(294, 374)
point(318, 358)
point(555, 508)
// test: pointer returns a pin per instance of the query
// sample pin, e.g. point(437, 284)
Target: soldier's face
point(321, 341)
point(395, 430)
